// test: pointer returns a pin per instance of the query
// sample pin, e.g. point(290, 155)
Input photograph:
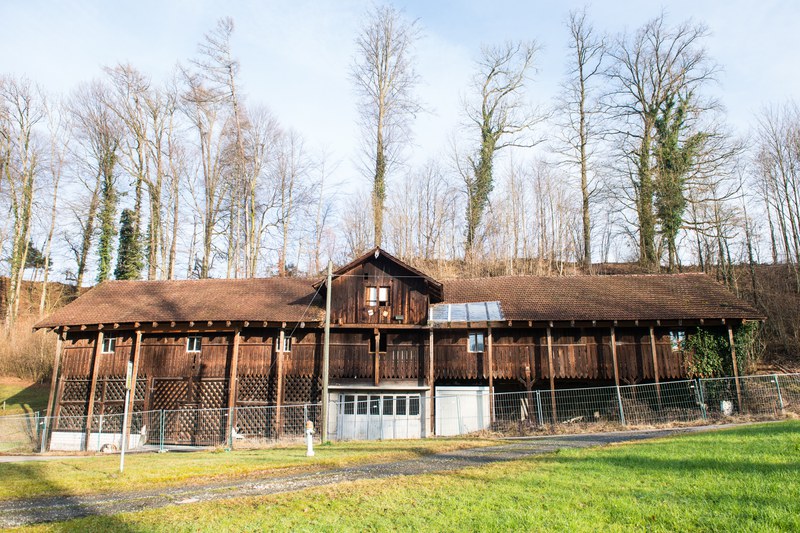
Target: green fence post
point(539, 408)
point(621, 412)
point(700, 399)
point(778, 388)
point(161, 433)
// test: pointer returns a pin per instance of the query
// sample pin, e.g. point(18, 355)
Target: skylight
point(466, 312)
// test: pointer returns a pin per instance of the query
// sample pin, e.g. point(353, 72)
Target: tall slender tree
point(385, 79)
point(502, 119)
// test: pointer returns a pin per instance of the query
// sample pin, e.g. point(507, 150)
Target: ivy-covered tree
point(129, 256)
point(674, 157)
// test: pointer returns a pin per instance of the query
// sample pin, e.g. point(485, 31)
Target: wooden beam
point(616, 373)
point(98, 347)
point(431, 380)
point(655, 364)
point(377, 362)
point(137, 350)
point(489, 356)
point(52, 399)
point(735, 368)
point(233, 377)
point(279, 384)
point(552, 374)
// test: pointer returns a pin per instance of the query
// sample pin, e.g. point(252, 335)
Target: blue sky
point(295, 56)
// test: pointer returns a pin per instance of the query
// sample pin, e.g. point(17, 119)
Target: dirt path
point(59, 508)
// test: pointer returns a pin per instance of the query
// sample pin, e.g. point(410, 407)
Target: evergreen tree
point(129, 257)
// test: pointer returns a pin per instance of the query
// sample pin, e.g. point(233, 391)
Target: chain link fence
point(391, 416)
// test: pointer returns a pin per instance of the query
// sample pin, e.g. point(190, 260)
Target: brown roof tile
point(261, 299)
point(629, 297)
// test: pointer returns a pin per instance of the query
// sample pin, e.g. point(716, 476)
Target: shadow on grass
point(50, 508)
point(27, 401)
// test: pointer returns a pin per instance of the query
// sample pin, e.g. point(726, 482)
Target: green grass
point(21, 397)
point(98, 474)
point(739, 479)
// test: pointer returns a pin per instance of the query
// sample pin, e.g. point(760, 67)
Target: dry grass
point(26, 354)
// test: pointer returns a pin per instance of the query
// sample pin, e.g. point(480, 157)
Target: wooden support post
point(233, 378)
point(377, 362)
point(52, 399)
point(98, 348)
point(137, 350)
point(431, 380)
point(655, 364)
point(735, 368)
point(552, 373)
point(279, 385)
point(616, 372)
point(489, 356)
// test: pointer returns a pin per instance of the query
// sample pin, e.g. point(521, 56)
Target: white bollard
point(309, 438)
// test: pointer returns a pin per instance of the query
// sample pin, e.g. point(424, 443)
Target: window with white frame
point(383, 295)
point(109, 344)
point(475, 342)
point(376, 296)
point(287, 344)
point(194, 343)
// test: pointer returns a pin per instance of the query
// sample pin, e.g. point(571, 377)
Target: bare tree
point(385, 79)
point(502, 120)
point(580, 112)
point(656, 64)
point(21, 109)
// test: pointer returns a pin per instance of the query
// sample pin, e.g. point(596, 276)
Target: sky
point(296, 56)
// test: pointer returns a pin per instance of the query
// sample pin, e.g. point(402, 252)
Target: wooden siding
point(407, 295)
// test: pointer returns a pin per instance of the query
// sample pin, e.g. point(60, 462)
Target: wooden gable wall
point(408, 295)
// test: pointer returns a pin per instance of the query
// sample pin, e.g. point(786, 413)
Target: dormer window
point(376, 296)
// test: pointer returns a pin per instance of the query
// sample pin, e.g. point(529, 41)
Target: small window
point(349, 406)
point(361, 407)
point(400, 405)
point(475, 342)
point(375, 405)
point(371, 296)
point(388, 405)
point(383, 295)
point(413, 405)
point(193, 344)
point(287, 344)
point(678, 339)
point(109, 344)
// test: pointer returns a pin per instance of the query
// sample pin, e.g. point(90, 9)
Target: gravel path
point(58, 508)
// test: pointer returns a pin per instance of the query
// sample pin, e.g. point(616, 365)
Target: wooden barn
point(397, 338)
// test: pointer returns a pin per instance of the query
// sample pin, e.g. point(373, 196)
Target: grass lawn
point(22, 397)
point(739, 479)
point(143, 471)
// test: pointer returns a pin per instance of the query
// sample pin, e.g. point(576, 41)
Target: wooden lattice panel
point(256, 422)
point(255, 388)
point(301, 389)
point(71, 417)
point(167, 393)
point(75, 390)
point(211, 393)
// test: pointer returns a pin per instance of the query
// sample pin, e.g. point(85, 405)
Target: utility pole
point(326, 352)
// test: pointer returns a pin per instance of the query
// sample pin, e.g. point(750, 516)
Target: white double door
point(379, 416)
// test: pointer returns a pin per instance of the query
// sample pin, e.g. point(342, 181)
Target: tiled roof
point(630, 297)
point(261, 299)
point(581, 298)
